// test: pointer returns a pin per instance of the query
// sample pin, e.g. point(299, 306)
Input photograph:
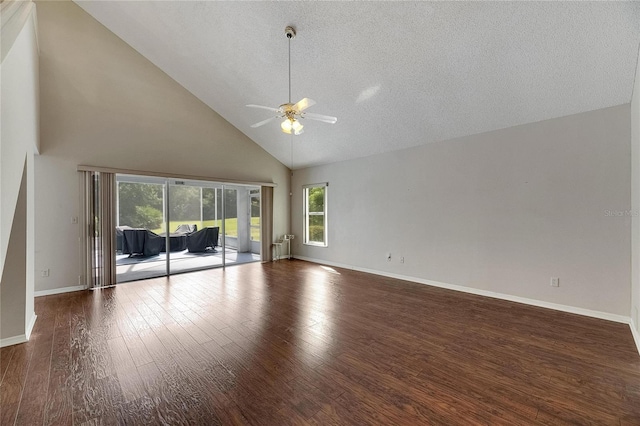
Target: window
point(315, 214)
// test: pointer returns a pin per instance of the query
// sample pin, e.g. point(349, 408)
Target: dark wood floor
point(297, 343)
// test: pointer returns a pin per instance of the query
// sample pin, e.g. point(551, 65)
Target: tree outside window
point(315, 223)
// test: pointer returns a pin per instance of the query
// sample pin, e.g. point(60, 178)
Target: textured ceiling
point(396, 74)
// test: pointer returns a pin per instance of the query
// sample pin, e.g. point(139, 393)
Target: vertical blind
point(98, 238)
point(266, 221)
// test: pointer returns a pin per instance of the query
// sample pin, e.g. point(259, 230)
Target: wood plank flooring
point(292, 342)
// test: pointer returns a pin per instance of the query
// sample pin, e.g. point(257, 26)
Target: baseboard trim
point(635, 333)
point(533, 302)
point(22, 338)
point(59, 290)
point(32, 323)
point(15, 340)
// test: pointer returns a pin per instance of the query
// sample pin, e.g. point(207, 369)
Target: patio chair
point(203, 240)
point(141, 242)
point(120, 237)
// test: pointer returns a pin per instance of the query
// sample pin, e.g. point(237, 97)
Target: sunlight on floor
point(328, 269)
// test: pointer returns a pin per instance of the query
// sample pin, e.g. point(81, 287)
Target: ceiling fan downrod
point(290, 32)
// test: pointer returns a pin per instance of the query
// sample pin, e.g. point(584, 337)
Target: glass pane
point(140, 206)
point(241, 237)
point(316, 199)
point(255, 215)
point(194, 242)
point(184, 207)
point(231, 213)
point(219, 204)
point(140, 245)
point(232, 242)
point(316, 228)
point(211, 207)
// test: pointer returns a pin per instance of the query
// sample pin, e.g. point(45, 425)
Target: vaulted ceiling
point(396, 74)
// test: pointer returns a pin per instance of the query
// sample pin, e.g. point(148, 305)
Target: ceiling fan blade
point(264, 107)
point(319, 117)
point(263, 122)
point(303, 104)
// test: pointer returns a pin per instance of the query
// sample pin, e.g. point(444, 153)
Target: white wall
point(14, 276)
point(103, 104)
point(18, 142)
point(501, 212)
point(635, 201)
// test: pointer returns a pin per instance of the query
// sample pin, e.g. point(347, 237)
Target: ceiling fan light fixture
point(286, 126)
point(291, 125)
point(297, 127)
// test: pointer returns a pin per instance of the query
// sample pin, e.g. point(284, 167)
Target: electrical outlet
point(555, 282)
point(45, 272)
point(401, 259)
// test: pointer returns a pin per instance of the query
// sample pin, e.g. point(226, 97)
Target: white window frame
point(305, 225)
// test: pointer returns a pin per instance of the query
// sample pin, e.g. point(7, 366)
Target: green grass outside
point(231, 226)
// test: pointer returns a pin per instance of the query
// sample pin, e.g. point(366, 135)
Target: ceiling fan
point(292, 113)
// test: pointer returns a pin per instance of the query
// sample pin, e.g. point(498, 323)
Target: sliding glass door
point(167, 226)
point(230, 225)
point(141, 220)
point(194, 227)
point(241, 224)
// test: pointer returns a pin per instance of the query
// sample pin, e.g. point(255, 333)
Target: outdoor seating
point(203, 240)
point(177, 242)
point(120, 236)
point(178, 239)
point(141, 242)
